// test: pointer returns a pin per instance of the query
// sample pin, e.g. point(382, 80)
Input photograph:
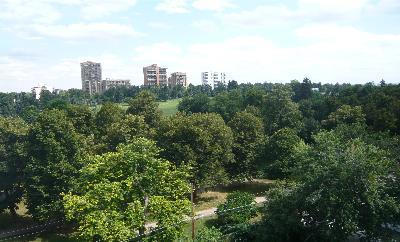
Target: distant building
point(177, 78)
point(91, 77)
point(38, 89)
point(109, 83)
point(155, 75)
point(213, 78)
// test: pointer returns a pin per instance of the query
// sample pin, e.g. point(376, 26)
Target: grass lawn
point(214, 197)
point(169, 107)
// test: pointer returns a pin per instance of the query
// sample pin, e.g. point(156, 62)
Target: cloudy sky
point(352, 41)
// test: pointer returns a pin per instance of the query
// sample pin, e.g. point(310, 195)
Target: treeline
point(335, 149)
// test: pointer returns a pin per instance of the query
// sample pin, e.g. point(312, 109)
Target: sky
point(329, 41)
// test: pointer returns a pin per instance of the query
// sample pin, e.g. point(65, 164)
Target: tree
point(54, 148)
point(145, 104)
point(208, 235)
point(345, 115)
point(228, 103)
point(82, 118)
point(13, 132)
point(237, 209)
point(279, 111)
point(283, 150)
point(343, 187)
point(199, 103)
point(119, 192)
point(248, 135)
point(108, 114)
point(232, 85)
point(126, 130)
point(202, 140)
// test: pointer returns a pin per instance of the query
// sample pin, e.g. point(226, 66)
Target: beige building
point(155, 76)
point(91, 77)
point(177, 78)
point(109, 83)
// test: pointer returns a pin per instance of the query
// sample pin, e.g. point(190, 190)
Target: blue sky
point(352, 41)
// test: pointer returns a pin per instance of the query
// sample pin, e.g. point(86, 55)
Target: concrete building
point(38, 89)
point(109, 83)
point(177, 78)
point(155, 75)
point(91, 77)
point(213, 78)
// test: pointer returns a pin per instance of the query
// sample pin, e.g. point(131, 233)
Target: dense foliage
point(334, 149)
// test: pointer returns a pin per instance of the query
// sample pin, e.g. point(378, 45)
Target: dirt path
point(204, 213)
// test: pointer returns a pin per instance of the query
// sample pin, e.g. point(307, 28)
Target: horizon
point(336, 41)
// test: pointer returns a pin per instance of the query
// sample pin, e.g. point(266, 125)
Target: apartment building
point(155, 75)
point(38, 89)
point(91, 77)
point(213, 78)
point(177, 78)
point(109, 83)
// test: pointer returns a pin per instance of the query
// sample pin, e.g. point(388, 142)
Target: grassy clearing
point(169, 107)
point(214, 197)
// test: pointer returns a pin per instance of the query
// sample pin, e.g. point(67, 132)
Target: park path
point(204, 213)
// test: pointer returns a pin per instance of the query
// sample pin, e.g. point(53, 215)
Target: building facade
point(91, 77)
point(177, 78)
point(155, 76)
point(213, 78)
point(109, 83)
point(38, 89)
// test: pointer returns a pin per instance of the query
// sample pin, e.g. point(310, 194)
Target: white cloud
point(332, 54)
point(206, 25)
point(48, 11)
point(173, 6)
point(160, 25)
point(28, 11)
point(212, 5)
point(307, 11)
point(83, 31)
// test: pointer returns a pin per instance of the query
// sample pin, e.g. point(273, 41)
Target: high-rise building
point(91, 77)
point(155, 75)
point(177, 78)
point(38, 89)
point(109, 83)
point(213, 78)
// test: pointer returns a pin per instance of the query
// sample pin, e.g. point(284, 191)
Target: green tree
point(54, 148)
point(202, 140)
point(238, 209)
point(283, 150)
point(108, 114)
point(248, 135)
point(13, 132)
point(227, 103)
point(345, 114)
point(82, 118)
point(279, 111)
point(118, 192)
point(126, 130)
point(145, 104)
point(199, 103)
point(343, 187)
point(208, 235)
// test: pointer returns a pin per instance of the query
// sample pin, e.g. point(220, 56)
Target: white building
point(213, 78)
point(109, 83)
point(38, 89)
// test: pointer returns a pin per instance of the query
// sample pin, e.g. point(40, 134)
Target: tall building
point(155, 75)
point(109, 83)
point(91, 77)
point(177, 78)
point(213, 78)
point(38, 89)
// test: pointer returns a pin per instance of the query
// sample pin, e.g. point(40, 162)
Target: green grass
point(169, 107)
